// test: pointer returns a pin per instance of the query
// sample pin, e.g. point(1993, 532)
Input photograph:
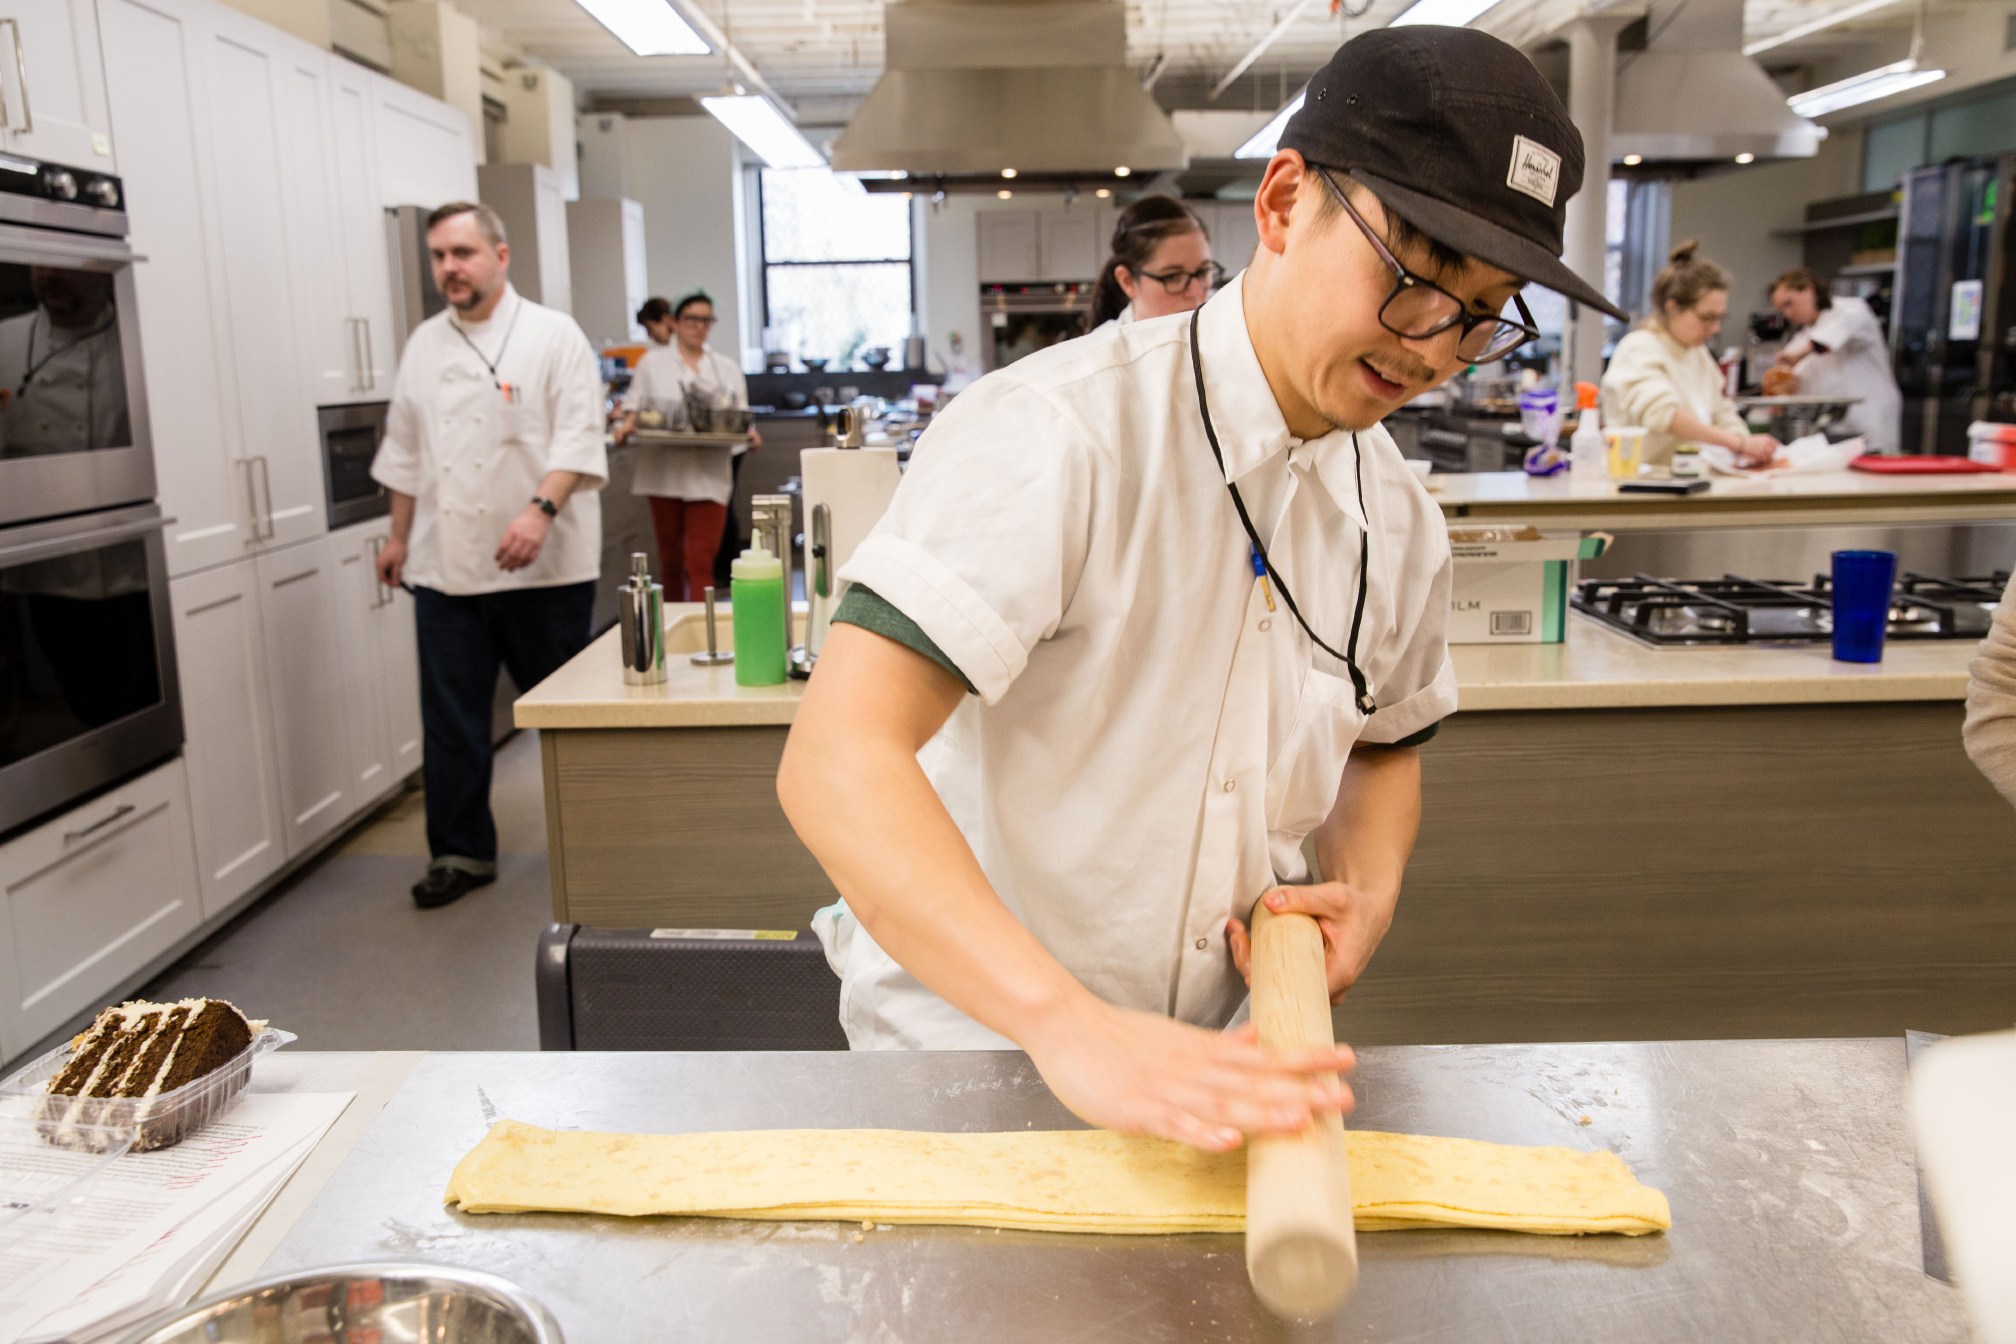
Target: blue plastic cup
point(1862, 584)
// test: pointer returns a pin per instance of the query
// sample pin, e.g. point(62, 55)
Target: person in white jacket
point(1839, 349)
point(1662, 376)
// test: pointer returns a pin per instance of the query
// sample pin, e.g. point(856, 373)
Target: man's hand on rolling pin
point(1142, 1073)
point(1352, 921)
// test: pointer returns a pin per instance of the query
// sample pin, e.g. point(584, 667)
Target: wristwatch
point(546, 506)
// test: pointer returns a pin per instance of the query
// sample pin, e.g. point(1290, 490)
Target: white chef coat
point(76, 397)
point(1854, 363)
point(472, 460)
point(681, 471)
point(1150, 744)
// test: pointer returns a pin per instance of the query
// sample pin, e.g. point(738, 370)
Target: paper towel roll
point(855, 485)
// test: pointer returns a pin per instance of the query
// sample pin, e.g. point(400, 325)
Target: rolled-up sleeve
point(578, 443)
point(397, 463)
point(986, 539)
point(1419, 688)
point(1990, 731)
point(1637, 387)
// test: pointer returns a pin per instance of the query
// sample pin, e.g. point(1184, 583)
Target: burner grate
point(1735, 610)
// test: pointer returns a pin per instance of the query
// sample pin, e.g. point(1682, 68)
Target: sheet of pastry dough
point(1065, 1180)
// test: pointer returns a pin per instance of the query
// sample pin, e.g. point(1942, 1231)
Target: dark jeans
point(463, 641)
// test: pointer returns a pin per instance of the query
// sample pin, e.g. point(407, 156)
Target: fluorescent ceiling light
point(758, 124)
point(1868, 86)
point(1451, 13)
point(1812, 26)
point(1264, 141)
point(648, 27)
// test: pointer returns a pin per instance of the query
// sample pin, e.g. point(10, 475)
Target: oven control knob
point(62, 184)
point(103, 191)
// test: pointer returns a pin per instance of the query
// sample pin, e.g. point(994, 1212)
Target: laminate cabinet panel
point(304, 676)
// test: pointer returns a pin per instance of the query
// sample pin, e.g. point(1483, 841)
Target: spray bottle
point(1588, 451)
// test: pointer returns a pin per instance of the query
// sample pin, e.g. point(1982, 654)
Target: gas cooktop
point(1685, 613)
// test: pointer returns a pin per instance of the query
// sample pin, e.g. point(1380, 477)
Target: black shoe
point(445, 886)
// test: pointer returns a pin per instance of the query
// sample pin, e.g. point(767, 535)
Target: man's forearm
point(558, 485)
point(1369, 835)
point(864, 807)
point(402, 516)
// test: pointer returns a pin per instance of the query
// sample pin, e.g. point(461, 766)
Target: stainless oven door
point(73, 405)
point(88, 694)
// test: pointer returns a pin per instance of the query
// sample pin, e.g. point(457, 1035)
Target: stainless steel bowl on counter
point(350, 1304)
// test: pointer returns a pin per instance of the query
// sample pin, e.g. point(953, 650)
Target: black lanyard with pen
point(1263, 568)
point(510, 392)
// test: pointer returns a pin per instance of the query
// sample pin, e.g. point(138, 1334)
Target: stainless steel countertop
point(1788, 1164)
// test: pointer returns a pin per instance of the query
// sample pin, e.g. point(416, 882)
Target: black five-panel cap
point(1458, 134)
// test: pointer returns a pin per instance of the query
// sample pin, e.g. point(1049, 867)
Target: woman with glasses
point(1154, 607)
point(1161, 264)
point(690, 486)
point(1663, 377)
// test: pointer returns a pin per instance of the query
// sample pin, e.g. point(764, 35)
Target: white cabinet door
point(1071, 245)
point(1009, 243)
point(359, 220)
point(426, 153)
point(52, 83)
point(331, 350)
point(1234, 235)
point(152, 51)
point(91, 898)
point(235, 791)
point(246, 65)
point(359, 599)
point(304, 669)
point(556, 282)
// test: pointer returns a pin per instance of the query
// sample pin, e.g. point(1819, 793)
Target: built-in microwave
point(350, 437)
point(73, 406)
point(88, 695)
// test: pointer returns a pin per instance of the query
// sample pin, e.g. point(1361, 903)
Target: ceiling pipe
point(1280, 30)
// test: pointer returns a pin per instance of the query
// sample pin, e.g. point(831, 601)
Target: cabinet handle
point(266, 488)
point(21, 78)
point(370, 357)
point(252, 503)
point(123, 810)
point(356, 356)
point(378, 589)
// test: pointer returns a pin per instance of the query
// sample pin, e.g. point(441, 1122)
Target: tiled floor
point(341, 957)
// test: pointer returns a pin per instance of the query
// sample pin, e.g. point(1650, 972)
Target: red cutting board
point(1885, 464)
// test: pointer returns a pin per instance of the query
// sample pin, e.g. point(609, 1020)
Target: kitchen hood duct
point(976, 86)
point(1692, 95)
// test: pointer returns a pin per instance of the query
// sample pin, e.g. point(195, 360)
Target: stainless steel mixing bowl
point(352, 1304)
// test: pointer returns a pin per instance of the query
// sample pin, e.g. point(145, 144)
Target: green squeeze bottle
point(756, 592)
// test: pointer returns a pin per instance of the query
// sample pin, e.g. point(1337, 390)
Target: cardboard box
point(1511, 583)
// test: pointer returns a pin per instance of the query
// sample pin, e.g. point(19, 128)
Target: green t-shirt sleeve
point(1420, 739)
point(871, 611)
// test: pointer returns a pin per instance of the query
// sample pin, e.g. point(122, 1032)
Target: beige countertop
point(1593, 669)
point(1822, 497)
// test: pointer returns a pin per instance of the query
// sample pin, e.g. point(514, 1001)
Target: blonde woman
point(1663, 377)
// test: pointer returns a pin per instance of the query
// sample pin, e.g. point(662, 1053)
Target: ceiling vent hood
point(1692, 95)
point(978, 86)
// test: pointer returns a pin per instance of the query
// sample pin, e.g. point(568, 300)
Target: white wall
point(686, 174)
point(948, 271)
point(1737, 215)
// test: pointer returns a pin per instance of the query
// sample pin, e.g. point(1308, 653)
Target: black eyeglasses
point(1419, 308)
point(1211, 274)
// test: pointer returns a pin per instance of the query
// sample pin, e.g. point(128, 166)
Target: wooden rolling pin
point(1301, 1247)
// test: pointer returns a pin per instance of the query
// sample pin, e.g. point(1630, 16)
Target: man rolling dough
point(1103, 666)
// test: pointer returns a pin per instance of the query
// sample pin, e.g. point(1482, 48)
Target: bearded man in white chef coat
point(493, 453)
point(1102, 667)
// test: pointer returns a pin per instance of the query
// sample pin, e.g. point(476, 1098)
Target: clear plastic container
point(145, 1123)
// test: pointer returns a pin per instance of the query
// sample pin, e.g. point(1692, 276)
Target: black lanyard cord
point(502, 345)
point(1349, 658)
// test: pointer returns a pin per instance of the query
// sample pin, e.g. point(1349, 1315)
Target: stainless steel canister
point(641, 613)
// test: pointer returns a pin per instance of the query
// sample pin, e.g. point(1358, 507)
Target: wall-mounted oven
point(87, 658)
point(350, 437)
point(73, 406)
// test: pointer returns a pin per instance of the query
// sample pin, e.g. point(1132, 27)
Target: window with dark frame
point(838, 265)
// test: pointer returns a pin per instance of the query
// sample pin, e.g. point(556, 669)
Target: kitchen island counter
point(1595, 668)
point(1819, 499)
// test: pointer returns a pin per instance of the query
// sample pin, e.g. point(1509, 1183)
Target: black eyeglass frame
point(1175, 282)
point(1404, 280)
